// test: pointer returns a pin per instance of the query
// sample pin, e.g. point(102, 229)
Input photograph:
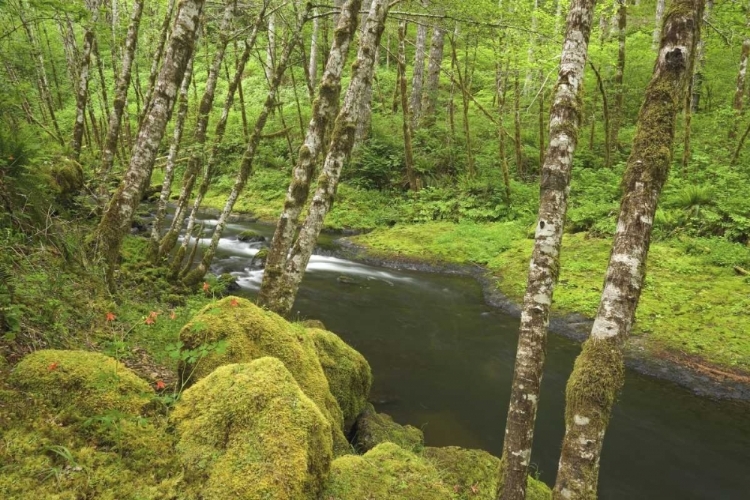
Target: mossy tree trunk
point(417, 80)
point(405, 111)
point(121, 95)
point(432, 85)
point(323, 113)
point(565, 120)
point(622, 19)
point(598, 373)
point(339, 149)
point(200, 132)
point(82, 87)
point(118, 216)
point(157, 57)
point(739, 93)
point(365, 116)
point(246, 165)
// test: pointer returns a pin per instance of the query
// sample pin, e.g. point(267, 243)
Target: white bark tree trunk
point(739, 92)
point(565, 120)
point(657, 24)
point(432, 87)
point(157, 57)
point(312, 68)
point(405, 111)
point(82, 88)
point(342, 142)
point(598, 373)
point(324, 111)
point(118, 216)
point(417, 80)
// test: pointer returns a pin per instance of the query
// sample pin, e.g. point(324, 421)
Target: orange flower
point(151, 319)
point(52, 366)
point(234, 302)
point(111, 316)
point(160, 385)
point(206, 286)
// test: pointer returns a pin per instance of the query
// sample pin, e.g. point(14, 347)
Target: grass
point(689, 305)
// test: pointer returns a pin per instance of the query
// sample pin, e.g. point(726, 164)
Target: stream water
point(443, 361)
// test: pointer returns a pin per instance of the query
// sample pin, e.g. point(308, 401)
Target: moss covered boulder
point(247, 431)
point(234, 330)
point(372, 429)
point(88, 382)
point(348, 373)
point(387, 472)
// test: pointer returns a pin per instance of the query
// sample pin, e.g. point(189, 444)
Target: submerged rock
point(346, 280)
point(387, 472)
point(248, 431)
point(89, 382)
point(348, 373)
point(372, 429)
point(250, 236)
point(234, 330)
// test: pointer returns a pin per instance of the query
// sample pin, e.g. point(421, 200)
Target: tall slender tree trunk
point(565, 120)
point(598, 373)
point(323, 113)
point(271, 48)
point(462, 84)
point(501, 83)
point(82, 89)
point(432, 86)
point(417, 81)
point(406, 112)
point(312, 69)
point(605, 115)
point(622, 16)
point(517, 125)
point(200, 132)
point(121, 94)
point(696, 86)
point(532, 46)
point(365, 121)
point(246, 165)
point(342, 142)
point(739, 92)
point(157, 57)
point(655, 40)
point(119, 213)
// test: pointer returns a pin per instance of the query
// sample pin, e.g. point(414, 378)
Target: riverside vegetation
point(128, 371)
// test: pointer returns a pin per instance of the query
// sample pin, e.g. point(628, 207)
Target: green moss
point(372, 429)
point(250, 235)
point(248, 431)
point(348, 373)
point(386, 472)
point(89, 382)
point(249, 332)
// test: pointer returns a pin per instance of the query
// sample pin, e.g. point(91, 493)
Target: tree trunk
point(213, 160)
point(82, 89)
point(700, 54)
point(169, 168)
point(657, 24)
point(312, 69)
point(432, 87)
point(622, 16)
point(415, 101)
point(248, 158)
point(598, 373)
point(342, 142)
point(405, 111)
point(157, 57)
point(739, 92)
point(119, 213)
point(121, 94)
point(605, 114)
point(501, 88)
point(517, 125)
point(323, 113)
point(365, 122)
point(271, 48)
point(201, 127)
point(565, 120)
point(532, 46)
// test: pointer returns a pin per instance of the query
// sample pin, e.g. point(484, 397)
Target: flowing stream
point(443, 361)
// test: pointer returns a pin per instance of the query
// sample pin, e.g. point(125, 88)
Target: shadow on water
point(443, 361)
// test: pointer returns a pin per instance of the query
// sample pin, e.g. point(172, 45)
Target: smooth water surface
point(443, 361)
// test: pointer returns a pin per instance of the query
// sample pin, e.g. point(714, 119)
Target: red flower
point(52, 366)
point(206, 287)
point(151, 319)
point(160, 385)
point(234, 302)
point(111, 316)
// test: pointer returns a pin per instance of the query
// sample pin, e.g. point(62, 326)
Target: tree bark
point(657, 24)
point(598, 373)
point(342, 142)
point(121, 94)
point(271, 48)
point(248, 158)
point(117, 218)
point(200, 132)
point(565, 120)
point(622, 16)
point(605, 114)
point(312, 69)
point(365, 121)
point(417, 81)
point(157, 57)
point(323, 113)
point(700, 54)
point(432, 87)
point(517, 125)
point(405, 111)
point(82, 89)
point(739, 92)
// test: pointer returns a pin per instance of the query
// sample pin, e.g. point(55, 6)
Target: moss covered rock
point(250, 236)
point(234, 330)
point(372, 429)
point(248, 431)
point(89, 382)
point(387, 472)
point(348, 373)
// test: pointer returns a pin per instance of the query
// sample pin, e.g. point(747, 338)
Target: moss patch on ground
point(248, 431)
point(689, 306)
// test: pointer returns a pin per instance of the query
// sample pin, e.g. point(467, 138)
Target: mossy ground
point(689, 306)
